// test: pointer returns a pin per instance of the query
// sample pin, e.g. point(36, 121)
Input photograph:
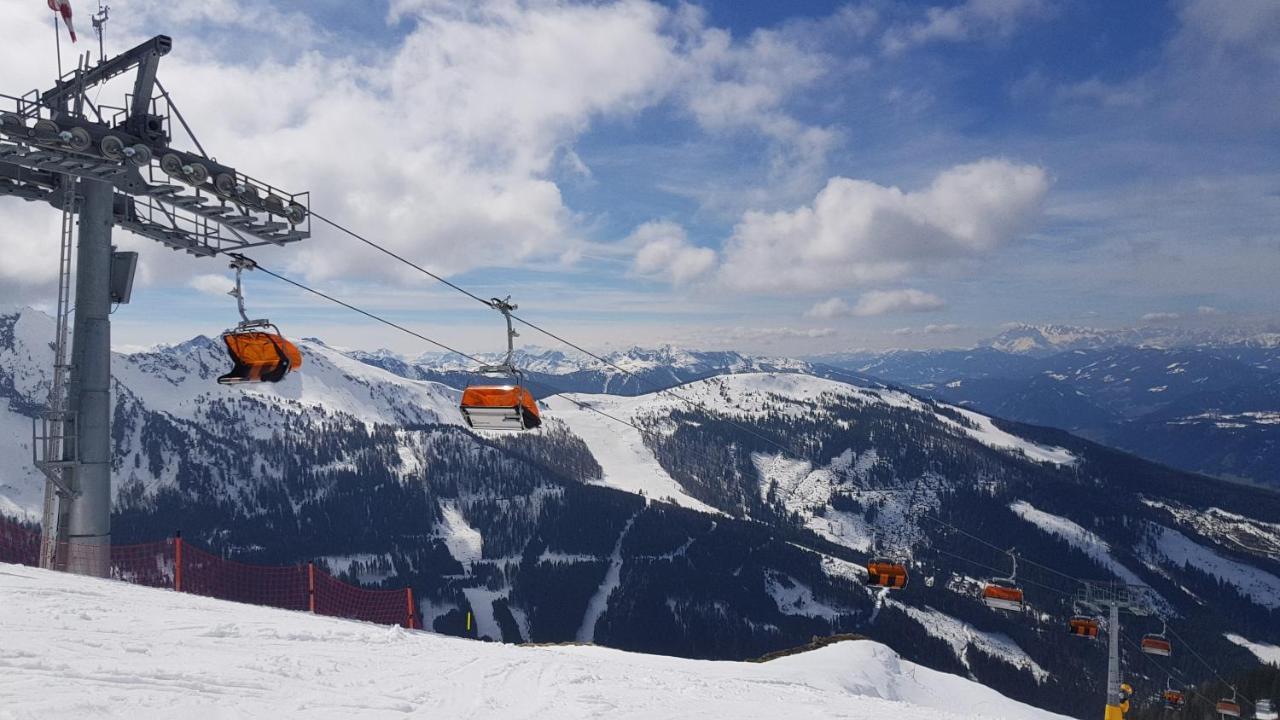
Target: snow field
point(80, 647)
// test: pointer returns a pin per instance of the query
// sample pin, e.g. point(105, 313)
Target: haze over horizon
point(772, 178)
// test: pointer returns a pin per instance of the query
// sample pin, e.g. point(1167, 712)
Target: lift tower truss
point(1112, 599)
point(105, 167)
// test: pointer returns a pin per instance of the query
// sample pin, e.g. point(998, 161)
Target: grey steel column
point(1113, 663)
point(89, 514)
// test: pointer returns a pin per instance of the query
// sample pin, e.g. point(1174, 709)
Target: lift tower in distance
point(106, 167)
point(1112, 599)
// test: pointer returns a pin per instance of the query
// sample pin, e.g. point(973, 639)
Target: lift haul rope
point(663, 391)
point(533, 326)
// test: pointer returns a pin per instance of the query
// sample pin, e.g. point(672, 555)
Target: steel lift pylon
point(1112, 599)
point(107, 167)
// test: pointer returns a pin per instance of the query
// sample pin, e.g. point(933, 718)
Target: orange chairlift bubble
point(1083, 626)
point(505, 405)
point(258, 352)
point(1229, 707)
point(1157, 643)
point(887, 573)
point(1004, 593)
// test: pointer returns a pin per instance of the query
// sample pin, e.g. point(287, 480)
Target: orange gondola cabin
point(1228, 708)
point(1157, 645)
point(499, 407)
point(1003, 596)
point(259, 355)
point(1082, 626)
point(1174, 699)
point(887, 573)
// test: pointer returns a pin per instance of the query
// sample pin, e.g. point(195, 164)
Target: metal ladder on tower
point(53, 441)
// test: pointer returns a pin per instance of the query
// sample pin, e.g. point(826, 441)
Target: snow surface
point(113, 650)
point(465, 543)
point(1079, 538)
point(1269, 654)
point(628, 463)
point(961, 636)
point(1172, 547)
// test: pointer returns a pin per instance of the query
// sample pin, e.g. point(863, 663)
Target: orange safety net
point(175, 563)
point(260, 357)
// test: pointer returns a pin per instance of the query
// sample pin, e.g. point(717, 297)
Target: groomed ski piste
point(84, 647)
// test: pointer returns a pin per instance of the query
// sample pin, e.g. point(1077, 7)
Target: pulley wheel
point(225, 184)
point(141, 156)
point(171, 165)
point(80, 139)
point(45, 129)
point(112, 148)
point(197, 174)
point(295, 214)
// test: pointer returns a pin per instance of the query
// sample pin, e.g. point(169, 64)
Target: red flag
point(63, 8)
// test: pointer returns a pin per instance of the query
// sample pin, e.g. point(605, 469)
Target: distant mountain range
point(1206, 402)
point(724, 519)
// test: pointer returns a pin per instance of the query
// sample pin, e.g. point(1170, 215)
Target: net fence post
point(177, 561)
point(311, 587)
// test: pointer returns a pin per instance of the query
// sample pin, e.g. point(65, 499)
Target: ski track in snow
point(1078, 537)
point(627, 462)
point(599, 602)
point(119, 651)
point(1269, 654)
point(465, 543)
point(1174, 548)
point(961, 635)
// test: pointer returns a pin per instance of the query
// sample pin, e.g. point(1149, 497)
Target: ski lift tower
point(111, 167)
point(1113, 598)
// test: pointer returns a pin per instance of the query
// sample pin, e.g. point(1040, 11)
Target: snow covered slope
point(118, 651)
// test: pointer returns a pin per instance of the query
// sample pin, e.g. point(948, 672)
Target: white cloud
point(941, 329)
point(211, 284)
point(879, 302)
point(443, 146)
point(858, 231)
point(1208, 310)
point(663, 251)
point(970, 20)
point(1158, 317)
point(770, 334)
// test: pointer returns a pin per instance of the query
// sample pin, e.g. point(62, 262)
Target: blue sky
point(784, 178)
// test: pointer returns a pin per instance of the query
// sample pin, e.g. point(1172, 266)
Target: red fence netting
point(176, 564)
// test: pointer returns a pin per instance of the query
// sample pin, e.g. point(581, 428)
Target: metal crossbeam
point(116, 168)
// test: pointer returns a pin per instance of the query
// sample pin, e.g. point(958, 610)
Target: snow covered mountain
point(723, 519)
point(630, 372)
point(1214, 410)
point(254, 662)
point(1040, 340)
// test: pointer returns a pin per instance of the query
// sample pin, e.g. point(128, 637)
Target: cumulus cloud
point(211, 284)
point(770, 334)
point(1158, 317)
point(858, 231)
point(879, 302)
point(970, 20)
point(443, 145)
point(941, 329)
point(663, 251)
